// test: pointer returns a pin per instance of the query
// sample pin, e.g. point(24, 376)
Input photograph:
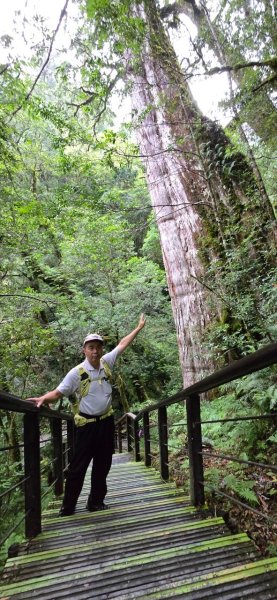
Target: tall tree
point(203, 192)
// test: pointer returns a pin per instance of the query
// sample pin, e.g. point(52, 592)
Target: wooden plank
point(97, 585)
point(152, 504)
point(165, 533)
point(127, 563)
point(86, 521)
point(150, 544)
point(216, 578)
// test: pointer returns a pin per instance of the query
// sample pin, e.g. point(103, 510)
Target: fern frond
point(242, 488)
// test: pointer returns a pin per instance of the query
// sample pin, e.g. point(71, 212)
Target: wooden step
point(150, 544)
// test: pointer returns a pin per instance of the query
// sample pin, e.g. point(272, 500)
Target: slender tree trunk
point(264, 121)
point(258, 122)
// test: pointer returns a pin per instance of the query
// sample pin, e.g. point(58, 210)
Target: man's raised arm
point(128, 339)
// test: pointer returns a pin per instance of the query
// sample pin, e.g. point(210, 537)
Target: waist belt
point(80, 421)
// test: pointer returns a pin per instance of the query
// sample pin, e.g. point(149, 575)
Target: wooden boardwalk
point(151, 544)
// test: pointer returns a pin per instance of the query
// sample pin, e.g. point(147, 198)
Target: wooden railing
point(62, 443)
point(133, 424)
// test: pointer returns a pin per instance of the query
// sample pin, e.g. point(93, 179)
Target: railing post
point(70, 438)
point(56, 429)
point(129, 435)
point(194, 447)
point(136, 442)
point(163, 442)
point(119, 436)
point(32, 472)
point(146, 437)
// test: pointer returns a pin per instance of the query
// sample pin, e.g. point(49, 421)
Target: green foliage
point(213, 477)
point(12, 501)
point(116, 18)
point(151, 248)
point(243, 488)
point(73, 228)
point(272, 549)
point(234, 483)
point(11, 473)
point(250, 396)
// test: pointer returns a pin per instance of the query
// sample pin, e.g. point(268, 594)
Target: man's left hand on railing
point(47, 398)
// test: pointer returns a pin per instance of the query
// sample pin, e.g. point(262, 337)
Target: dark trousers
point(93, 441)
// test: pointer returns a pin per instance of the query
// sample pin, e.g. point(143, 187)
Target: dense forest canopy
point(120, 196)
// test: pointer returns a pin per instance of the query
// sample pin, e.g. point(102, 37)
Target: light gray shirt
point(99, 398)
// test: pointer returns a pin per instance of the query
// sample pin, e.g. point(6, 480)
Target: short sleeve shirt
point(99, 398)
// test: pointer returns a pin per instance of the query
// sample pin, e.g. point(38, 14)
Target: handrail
point(31, 456)
point(13, 487)
point(262, 358)
point(128, 414)
point(16, 404)
point(265, 357)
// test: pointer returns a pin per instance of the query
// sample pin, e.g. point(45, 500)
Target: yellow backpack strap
point(83, 389)
point(108, 371)
point(85, 382)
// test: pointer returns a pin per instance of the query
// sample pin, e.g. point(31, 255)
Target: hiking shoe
point(66, 512)
point(95, 507)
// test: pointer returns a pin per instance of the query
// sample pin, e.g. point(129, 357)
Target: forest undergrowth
point(263, 486)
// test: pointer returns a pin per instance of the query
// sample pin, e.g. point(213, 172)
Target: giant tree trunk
point(175, 180)
point(195, 190)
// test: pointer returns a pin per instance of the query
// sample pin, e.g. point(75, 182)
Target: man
point(95, 422)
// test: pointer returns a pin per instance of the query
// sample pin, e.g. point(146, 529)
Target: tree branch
point(187, 7)
point(92, 96)
point(271, 62)
point(63, 12)
point(4, 68)
point(212, 290)
point(84, 103)
point(267, 81)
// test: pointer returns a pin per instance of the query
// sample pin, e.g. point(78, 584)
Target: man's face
point(93, 352)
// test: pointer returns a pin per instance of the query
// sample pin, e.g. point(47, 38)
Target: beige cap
point(93, 337)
